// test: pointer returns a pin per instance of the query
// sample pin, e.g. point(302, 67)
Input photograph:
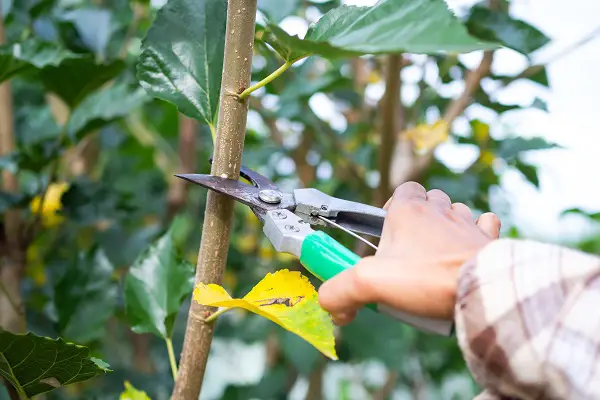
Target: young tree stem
point(231, 129)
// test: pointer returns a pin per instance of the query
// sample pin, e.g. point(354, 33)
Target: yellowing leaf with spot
point(426, 137)
point(286, 298)
point(132, 393)
point(52, 204)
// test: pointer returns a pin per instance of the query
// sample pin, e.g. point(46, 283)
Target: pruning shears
point(287, 219)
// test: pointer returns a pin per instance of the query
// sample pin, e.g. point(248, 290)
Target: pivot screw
point(292, 228)
point(324, 208)
point(270, 196)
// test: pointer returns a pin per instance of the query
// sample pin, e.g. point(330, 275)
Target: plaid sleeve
point(528, 321)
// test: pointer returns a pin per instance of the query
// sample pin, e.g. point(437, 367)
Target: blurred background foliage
point(102, 154)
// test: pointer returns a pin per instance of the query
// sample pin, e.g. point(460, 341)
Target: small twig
point(388, 386)
point(172, 361)
point(273, 75)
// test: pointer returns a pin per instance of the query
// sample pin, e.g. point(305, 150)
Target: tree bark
point(12, 261)
point(237, 67)
point(392, 115)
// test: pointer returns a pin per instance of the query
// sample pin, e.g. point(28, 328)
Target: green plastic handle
point(324, 257)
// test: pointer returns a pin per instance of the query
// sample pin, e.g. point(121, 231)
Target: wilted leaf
point(286, 298)
point(499, 26)
point(104, 107)
point(182, 56)
point(85, 297)
point(426, 137)
point(390, 26)
point(155, 287)
point(30, 54)
point(132, 393)
point(35, 364)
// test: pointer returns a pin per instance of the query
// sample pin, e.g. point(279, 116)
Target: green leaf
point(94, 27)
point(510, 148)
point(277, 10)
point(103, 107)
point(593, 216)
point(529, 172)
point(74, 80)
point(156, 285)
point(35, 364)
point(30, 55)
point(539, 104)
point(390, 26)
point(498, 26)
point(85, 297)
point(182, 56)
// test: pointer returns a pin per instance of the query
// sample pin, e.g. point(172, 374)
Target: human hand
point(425, 241)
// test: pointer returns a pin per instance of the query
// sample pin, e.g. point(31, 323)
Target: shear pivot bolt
point(270, 196)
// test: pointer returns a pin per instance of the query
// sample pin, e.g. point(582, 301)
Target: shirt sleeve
point(528, 321)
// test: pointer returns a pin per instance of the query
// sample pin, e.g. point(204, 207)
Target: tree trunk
point(231, 129)
point(12, 261)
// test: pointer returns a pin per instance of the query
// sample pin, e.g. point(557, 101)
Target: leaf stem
point(216, 314)
point(171, 357)
point(212, 132)
point(268, 79)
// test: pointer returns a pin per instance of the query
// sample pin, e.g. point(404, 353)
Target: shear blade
point(244, 193)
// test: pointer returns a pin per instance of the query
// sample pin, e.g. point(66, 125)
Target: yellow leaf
point(246, 243)
point(266, 252)
point(487, 158)
point(132, 393)
point(52, 204)
point(286, 257)
point(426, 137)
point(481, 131)
point(286, 298)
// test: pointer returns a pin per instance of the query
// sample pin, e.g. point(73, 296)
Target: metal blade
point(244, 193)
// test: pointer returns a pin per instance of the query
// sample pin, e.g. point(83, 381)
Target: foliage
point(286, 298)
point(99, 90)
point(36, 364)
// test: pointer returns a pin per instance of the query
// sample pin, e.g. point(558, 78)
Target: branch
point(388, 386)
point(409, 167)
point(392, 121)
point(233, 113)
point(315, 381)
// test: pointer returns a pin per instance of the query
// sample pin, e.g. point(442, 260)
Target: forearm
point(528, 320)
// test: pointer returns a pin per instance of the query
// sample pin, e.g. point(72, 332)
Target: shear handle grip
point(324, 257)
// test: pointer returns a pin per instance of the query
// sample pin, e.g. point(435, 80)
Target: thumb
point(351, 289)
point(490, 224)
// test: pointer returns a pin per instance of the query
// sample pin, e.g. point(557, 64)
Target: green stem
point(171, 357)
point(212, 132)
point(268, 79)
point(214, 316)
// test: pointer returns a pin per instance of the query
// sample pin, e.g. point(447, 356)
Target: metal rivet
point(270, 196)
point(279, 215)
point(292, 228)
